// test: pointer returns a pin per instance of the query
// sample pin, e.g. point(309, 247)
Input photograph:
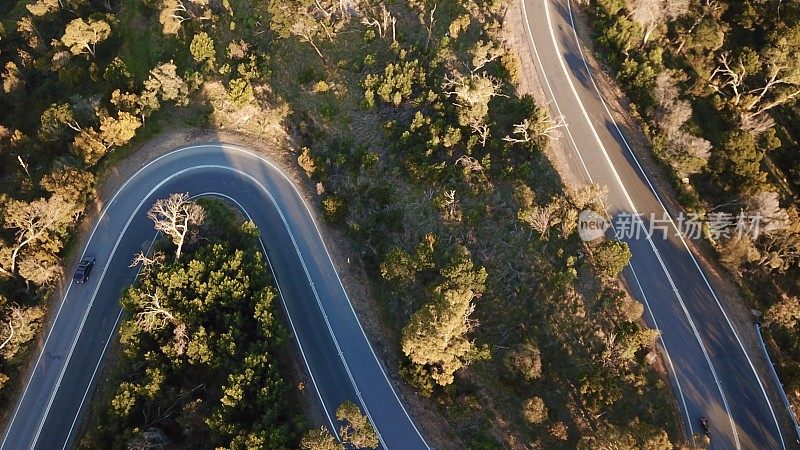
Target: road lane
point(334, 347)
point(710, 369)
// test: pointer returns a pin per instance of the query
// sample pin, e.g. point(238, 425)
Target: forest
point(407, 120)
point(715, 85)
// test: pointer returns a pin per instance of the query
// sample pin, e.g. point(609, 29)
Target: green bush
point(334, 208)
point(202, 47)
point(534, 410)
point(610, 257)
point(240, 92)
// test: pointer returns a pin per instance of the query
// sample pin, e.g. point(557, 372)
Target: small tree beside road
point(610, 257)
point(357, 431)
point(320, 439)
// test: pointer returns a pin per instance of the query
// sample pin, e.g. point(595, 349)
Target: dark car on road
point(83, 270)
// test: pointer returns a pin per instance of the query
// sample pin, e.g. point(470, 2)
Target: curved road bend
point(336, 351)
point(710, 369)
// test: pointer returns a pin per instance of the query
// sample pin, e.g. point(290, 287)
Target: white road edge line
point(680, 236)
point(130, 219)
point(313, 289)
point(589, 177)
point(102, 354)
point(91, 380)
point(286, 308)
point(577, 150)
point(61, 305)
point(341, 285)
point(105, 211)
point(321, 308)
point(666, 353)
point(113, 251)
point(88, 309)
point(316, 296)
point(283, 301)
point(336, 272)
point(618, 179)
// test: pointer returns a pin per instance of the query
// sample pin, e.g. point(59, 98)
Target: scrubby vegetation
point(715, 83)
point(202, 348)
point(406, 119)
point(437, 169)
point(81, 80)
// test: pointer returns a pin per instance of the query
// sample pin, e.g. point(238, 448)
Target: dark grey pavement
point(336, 351)
point(712, 373)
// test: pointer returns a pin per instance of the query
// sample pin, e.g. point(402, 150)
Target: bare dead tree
point(608, 355)
point(24, 165)
point(175, 216)
point(10, 334)
point(755, 123)
point(180, 339)
point(780, 70)
point(729, 75)
point(687, 153)
point(451, 203)
point(196, 10)
point(17, 323)
point(326, 12)
point(647, 13)
point(765, 205)
point(472, 90)
point(470, 163)
point(674, 116)
point(521, 133)
point(154, 316)
point(666, 91)
point(429, 28)
point(470, 322)
point(539, 218)
point(306, 29)
point(652, 13)
point(482, 130)
point(483, 53)
point(472, 95)
point(527, 130)
point(141, 258)
point(147, 262)
point(174, 12)
point(380, 19)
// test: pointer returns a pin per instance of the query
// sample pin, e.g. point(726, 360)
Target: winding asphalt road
point(712, 373)
point(336, 351)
